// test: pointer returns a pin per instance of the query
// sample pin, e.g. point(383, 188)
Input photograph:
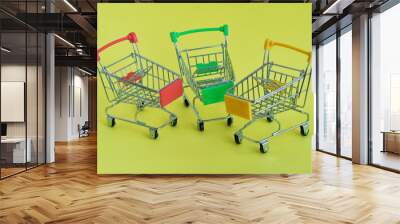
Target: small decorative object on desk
point(391, 141)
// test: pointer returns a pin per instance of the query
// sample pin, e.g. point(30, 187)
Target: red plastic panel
point(131, 76)
point(171, 92)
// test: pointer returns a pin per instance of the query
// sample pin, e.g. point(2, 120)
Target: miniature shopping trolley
point(270, 90)
point(207, 70)
point(133, 79)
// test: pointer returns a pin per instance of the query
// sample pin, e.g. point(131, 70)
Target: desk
point(391, 141)
point(17, 150)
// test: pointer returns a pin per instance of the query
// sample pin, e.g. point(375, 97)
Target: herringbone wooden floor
point(69, 191)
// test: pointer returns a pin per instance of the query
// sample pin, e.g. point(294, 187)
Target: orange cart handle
point(270, 43)
point(131, 37)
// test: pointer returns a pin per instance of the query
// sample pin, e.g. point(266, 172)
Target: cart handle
point(131, 37)
point(175, 35)
point(270, 43)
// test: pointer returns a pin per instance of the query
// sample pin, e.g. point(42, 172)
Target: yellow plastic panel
point(238, 107)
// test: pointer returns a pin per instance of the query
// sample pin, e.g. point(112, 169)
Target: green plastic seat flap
point(202, 68)
point(215, 93)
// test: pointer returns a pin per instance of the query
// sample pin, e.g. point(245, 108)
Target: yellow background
point(127, 148)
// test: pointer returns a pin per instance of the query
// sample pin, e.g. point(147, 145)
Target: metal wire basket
point(135, 79)
point(207, 70)
point(268, 91)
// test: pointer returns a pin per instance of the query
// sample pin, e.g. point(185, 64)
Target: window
point(22, 76)
point(327, 96)
point(346, 93)
point(385, 89)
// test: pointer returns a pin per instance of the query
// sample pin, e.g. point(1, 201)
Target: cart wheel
point(140, 105)
point(111, 121)
point(263, 147)
point(238, 138)
point(270, 116)
point(153, 133)
point(174, 121)
point(229, 121)
point(304, 130)
point(200, 125)
point(185, 102)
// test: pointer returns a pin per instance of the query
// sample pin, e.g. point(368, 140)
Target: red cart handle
point(131, 37)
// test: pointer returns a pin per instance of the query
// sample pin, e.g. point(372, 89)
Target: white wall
point(81, 94)
point(71, 94)
point(61, 103)
point(33, 127)
point(16, 73)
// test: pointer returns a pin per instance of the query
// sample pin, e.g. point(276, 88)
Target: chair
point(84, 129)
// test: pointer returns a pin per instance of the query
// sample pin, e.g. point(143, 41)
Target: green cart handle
point(175, 35)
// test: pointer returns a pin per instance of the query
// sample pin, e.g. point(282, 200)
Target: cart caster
point(110, 121)
point(270, 117)
point(153, 133)
point(304, 130)
point(263, 147)
point(140, 105)
point(185, 102)
point(229, 121)
point(174, 121)
point(238, 138)
point(200, 125)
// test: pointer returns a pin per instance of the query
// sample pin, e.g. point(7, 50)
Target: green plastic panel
point(212, 66)
point(216, 93)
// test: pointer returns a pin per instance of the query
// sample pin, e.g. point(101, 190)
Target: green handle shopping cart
point(207, 70)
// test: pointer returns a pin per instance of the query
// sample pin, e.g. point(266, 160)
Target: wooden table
point(391, 141)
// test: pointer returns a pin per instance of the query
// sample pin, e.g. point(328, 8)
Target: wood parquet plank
point(70, 191)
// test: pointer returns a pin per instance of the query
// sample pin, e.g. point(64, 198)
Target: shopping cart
point(134, 79)
point(270, 90)
point(207, 70)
